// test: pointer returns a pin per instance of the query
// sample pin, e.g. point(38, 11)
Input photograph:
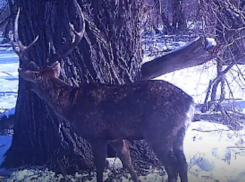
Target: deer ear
point(28, 75)
point(56, 68)
point(33, 66)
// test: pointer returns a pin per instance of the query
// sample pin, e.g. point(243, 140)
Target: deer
point(155, 111)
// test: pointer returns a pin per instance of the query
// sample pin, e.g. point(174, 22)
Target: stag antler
point(17, 44)
point(21, 50)
point(78, 35)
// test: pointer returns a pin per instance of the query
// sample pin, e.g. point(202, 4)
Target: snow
point(5, 143)
point(213, 152)
point(8, 112)
point(211, 43)
point(185, 45)
point(9, 63)
point(114, 163)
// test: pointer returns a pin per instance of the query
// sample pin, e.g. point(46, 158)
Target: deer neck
point(55, 92)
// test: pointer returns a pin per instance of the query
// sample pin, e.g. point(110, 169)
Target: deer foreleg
point(99, 149)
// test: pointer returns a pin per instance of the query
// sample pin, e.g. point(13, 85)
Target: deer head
point(37, 75)
point(43, 74)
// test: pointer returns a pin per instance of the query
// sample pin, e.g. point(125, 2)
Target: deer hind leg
point(164, 153)
point(178, 151)
point(99, 149)
point(161, 142)
point(122, 149)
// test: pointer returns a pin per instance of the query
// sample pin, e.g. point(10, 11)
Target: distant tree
point(6, 12)
point(179, 21)
point(171, 13)
point(226, 21)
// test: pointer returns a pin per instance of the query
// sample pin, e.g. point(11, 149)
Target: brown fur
point(155, 111)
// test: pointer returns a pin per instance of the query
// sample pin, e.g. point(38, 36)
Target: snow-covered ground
point(213, 152)
point(8, 79)
point(9, 64)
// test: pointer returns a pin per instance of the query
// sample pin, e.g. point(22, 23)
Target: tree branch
point(236, 124)
point(194, 53)
point(5, 21)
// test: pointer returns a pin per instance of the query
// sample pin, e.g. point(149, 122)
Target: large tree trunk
point(110, 52)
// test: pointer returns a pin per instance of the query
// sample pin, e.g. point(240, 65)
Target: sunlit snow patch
point(210, 43)
point(8, 79)
point(214, 152)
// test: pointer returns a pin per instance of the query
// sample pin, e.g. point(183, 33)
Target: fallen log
point(192, 54)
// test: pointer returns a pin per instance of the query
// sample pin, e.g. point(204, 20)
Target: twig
point(236, 147)
point(9, 92)
point(209, 130)
point(229, 88)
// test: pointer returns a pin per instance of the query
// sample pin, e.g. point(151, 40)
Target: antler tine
point(78, 35)
point(22, 49)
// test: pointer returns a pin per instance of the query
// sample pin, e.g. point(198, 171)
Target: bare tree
point(6, 14)
point(227, 24)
